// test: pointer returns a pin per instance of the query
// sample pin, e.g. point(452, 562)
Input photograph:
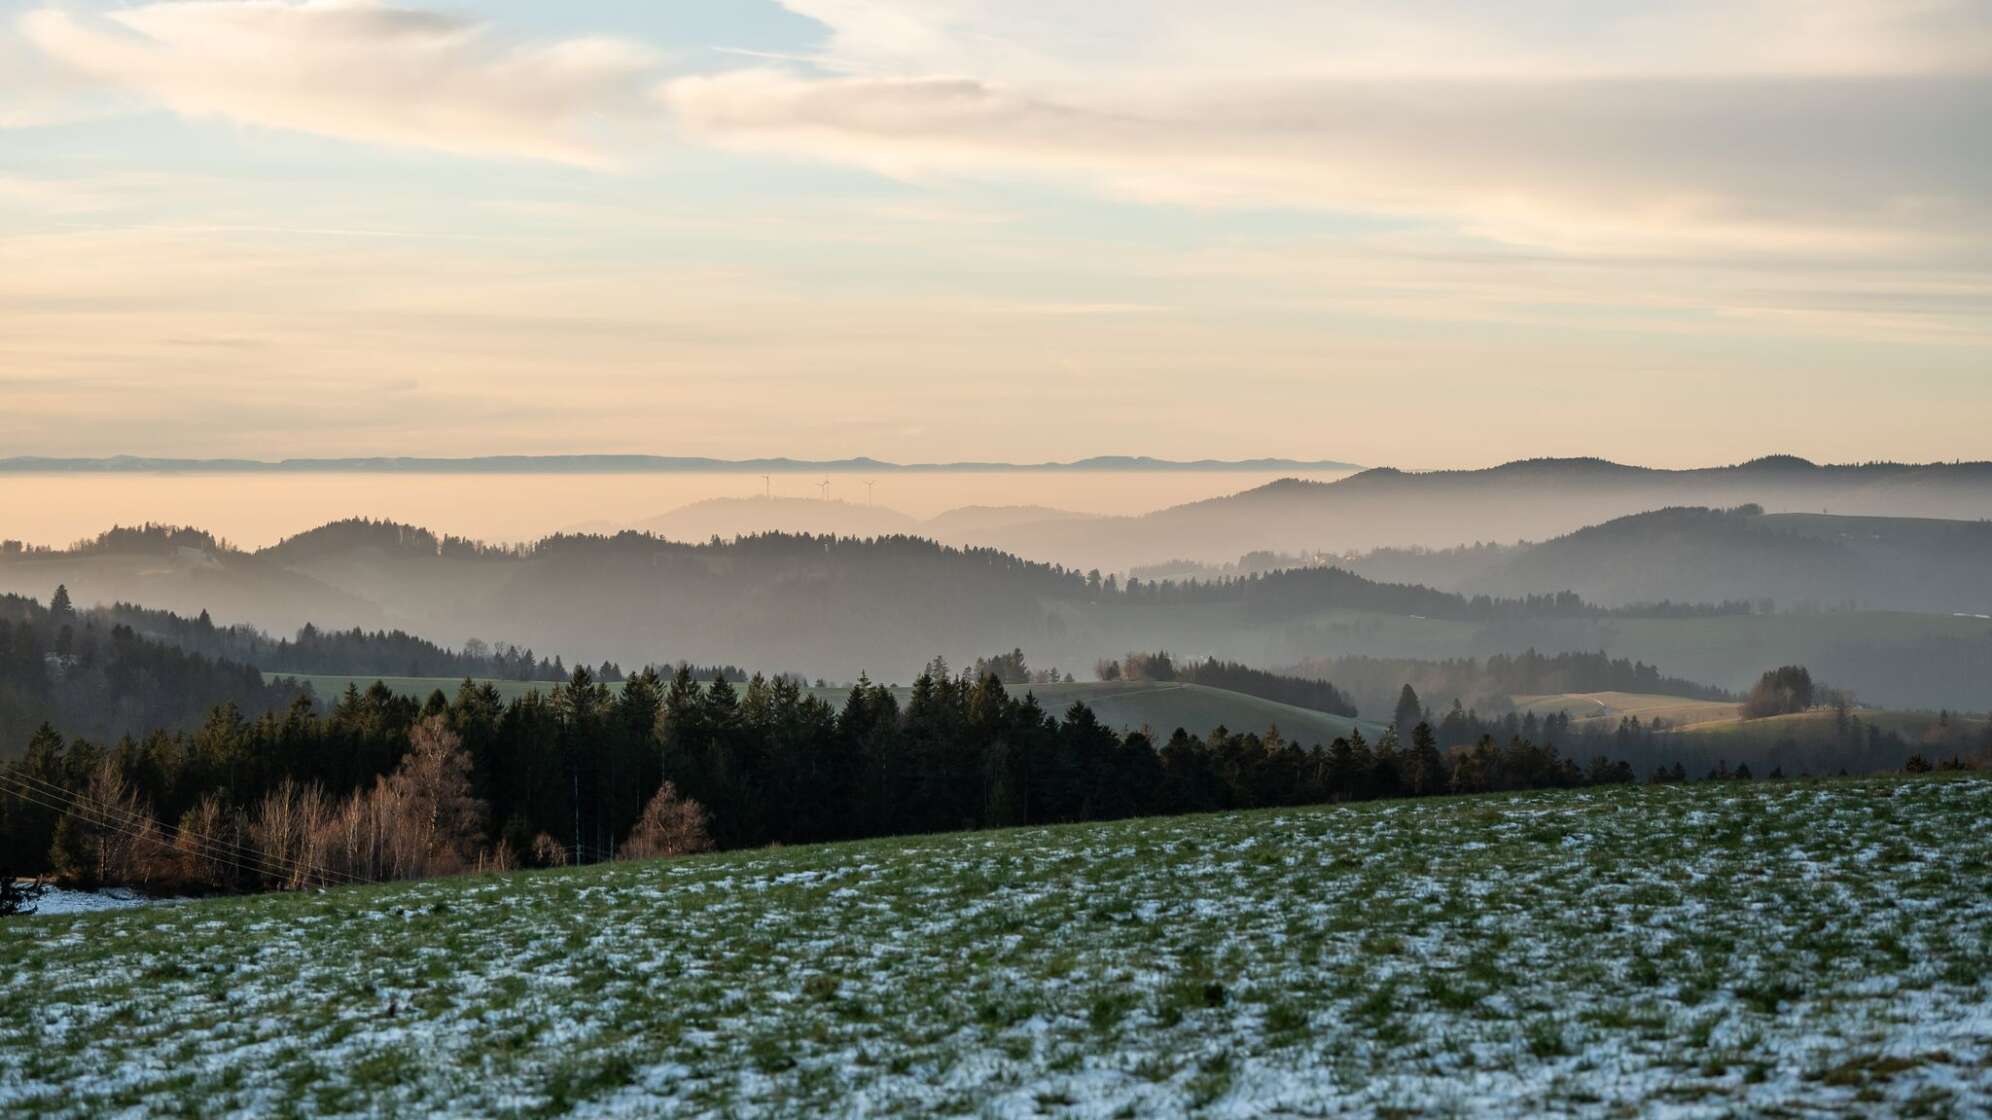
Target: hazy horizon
point(254, 510)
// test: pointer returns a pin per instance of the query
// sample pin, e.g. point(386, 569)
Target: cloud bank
point(360, 71)
point(1827, 128)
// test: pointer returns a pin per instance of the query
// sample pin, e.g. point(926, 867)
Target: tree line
point(381, 785)
point(62, 667)
point(1306, 587)
point(1373, 682)
point(1848, 742)
point(103, 672)
point(347, 652)
point(1301, 692)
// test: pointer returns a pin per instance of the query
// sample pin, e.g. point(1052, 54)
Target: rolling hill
point(1526, 500)
point(1695, 554)
point(1591, 709)
point(836, 607)
point(1805, 948)
point(734, 517)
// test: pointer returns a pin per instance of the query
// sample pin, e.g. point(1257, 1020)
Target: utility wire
point(223, 846)
point(225, 851)
point(120, 824)
point(127, 823)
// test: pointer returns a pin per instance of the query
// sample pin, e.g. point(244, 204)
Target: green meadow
point(1712, 949)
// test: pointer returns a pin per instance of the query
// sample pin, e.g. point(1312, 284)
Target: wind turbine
point(868, 492)
point(767, 486)
point(824, 486)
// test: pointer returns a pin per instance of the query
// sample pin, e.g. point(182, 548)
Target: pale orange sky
point(1414, 234)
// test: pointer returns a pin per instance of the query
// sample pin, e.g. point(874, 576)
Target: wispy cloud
point(360, 70)
point(1820, 167)
point(1738, 200)
point(1193, 40)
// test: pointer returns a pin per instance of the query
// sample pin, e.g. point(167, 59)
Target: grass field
point(1128, 705)
point(1710, 950)
point(1820, 723)
point(1592, 709)
point(329, 686)
point(1729, 651)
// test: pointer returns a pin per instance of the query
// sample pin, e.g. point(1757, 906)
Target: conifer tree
point(1409, 710)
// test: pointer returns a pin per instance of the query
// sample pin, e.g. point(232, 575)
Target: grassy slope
point(1729, 651)
point(1713, 949)
point(1128, 705)
point(1820, 723)
point(1198, 709)
point(1589, 709)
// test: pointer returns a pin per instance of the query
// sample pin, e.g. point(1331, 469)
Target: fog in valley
point(1268, 576)
point(254, 510)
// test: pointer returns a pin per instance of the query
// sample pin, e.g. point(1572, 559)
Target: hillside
point(101, 680)
point(835, 608)
point(1804, 948)
point(1941, 733)
point(1889, 658)
point(734, 517)
point(1694, 554)
point(1526, 500)
point(187, 572)
point(1587, 709)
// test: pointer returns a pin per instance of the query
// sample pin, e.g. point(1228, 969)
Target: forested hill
point(828, 606)
point(351, 652)
point(1527, 500)
point(1489, 683)
point(837, 607)
point(103, 681)
point(1894, 563)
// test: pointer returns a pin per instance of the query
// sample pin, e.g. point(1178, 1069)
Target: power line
point(121, 826)
point(118, 820)
point(225, 851)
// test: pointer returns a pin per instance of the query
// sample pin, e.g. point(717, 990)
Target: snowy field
point(1811, 948)
point(57, 901)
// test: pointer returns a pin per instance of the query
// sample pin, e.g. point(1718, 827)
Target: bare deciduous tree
point(211, 844)
point(419, 821)
point(548, 852)
point(671, 825)
point(433, 796)
point(107, 836)
point(291, 828)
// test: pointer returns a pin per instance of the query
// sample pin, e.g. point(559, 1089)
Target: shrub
point(671, 825)
point(548, 852)
point(1781, 691)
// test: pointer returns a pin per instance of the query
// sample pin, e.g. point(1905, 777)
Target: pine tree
point(1409, 711)
point(1424, 768)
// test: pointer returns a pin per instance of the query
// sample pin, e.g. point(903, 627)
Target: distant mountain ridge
point(835, 606)
point(629, 464)
point(1696, 553)
point(1529, 499)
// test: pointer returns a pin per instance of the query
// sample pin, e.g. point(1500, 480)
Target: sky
point(1417, 232)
